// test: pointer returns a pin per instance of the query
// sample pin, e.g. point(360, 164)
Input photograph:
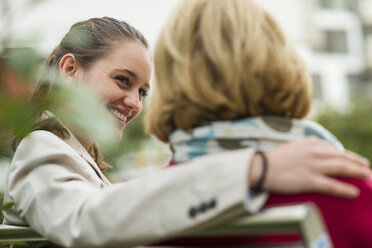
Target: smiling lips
point(119, 115)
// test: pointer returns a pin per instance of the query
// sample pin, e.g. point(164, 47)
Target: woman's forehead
point(131, 57)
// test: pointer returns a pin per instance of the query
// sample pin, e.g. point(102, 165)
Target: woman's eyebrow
point(132, 74)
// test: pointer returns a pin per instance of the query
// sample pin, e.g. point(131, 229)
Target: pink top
point(349, 221)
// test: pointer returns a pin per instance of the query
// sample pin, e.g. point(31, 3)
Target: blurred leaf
point(12, 83)
point(16, 114)
point(25, 61)
point(7, 206)
point(8, 244)
point(16, 111)
point(6, 137)
point(1, 200)
point(78, 107)
point(134, 137)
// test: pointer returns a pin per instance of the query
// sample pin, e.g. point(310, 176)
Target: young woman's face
point(122, 79)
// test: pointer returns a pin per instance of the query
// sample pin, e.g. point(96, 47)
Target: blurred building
point(361, 84)
point(333, 37)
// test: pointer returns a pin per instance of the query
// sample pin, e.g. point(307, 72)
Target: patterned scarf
point(262, 133)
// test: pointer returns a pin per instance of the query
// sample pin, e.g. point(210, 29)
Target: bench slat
point(303, 218)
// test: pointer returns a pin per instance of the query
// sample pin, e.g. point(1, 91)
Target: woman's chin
point(120, 126)
point(118, 135)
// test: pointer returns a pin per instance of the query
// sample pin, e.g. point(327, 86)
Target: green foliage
point(79, 108)
point(133, 137)
point(17, 66)
point(25, 61)
point(1, 213)
point(15, 114)
point(15, 243)
point(353, 128)
point(7, 206)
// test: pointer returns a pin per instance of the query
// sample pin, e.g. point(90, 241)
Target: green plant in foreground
point(353, 128)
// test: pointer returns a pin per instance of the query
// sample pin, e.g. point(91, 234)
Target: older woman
point(226, 78)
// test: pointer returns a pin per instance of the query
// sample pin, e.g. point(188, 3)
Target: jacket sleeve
point(53, 194)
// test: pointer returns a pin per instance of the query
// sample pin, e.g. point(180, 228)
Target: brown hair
point(224, 60)
point(88, 41)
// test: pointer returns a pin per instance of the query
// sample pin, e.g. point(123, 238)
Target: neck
point(86, 143)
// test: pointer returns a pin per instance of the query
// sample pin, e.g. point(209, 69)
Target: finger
point(357, 158)
point(323, 149)
point(322, 143)
point(327, 149)
point(334, 187)
point(342, 167)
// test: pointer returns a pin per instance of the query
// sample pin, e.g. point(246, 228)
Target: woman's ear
point(68, 67)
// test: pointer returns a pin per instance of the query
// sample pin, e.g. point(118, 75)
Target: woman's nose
point(132, 99)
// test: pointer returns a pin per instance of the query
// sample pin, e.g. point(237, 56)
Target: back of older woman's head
point(224, 60)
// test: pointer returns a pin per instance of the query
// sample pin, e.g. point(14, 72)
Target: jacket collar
point(79, 148)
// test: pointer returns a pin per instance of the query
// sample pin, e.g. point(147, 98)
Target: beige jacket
point(60, 192)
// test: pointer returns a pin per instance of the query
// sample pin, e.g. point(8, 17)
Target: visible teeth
point(119, 115)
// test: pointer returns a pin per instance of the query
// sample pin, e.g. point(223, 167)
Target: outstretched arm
point(309, 165)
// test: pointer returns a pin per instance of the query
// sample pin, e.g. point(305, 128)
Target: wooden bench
point(303, 219)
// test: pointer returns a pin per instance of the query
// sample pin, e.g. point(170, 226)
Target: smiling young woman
point(120, 83)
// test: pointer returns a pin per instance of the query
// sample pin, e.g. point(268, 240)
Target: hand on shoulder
point(310, 165)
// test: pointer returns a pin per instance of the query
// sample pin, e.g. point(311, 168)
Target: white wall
point(47, 22)
point(292, 15)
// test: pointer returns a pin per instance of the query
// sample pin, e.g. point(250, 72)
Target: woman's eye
point(143, 93)
point(123, 80)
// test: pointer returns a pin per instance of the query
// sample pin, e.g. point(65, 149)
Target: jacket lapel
point(78, 147)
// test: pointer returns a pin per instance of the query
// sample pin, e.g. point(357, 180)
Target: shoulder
point(40, 136)
point(41, 139)
point(315, 129)
point(40, 145)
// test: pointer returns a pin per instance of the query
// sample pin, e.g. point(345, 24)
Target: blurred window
point(332, 41)
point(317, 87)
point(338, 4)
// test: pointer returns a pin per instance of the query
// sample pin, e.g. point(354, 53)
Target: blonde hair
point(224, 60)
